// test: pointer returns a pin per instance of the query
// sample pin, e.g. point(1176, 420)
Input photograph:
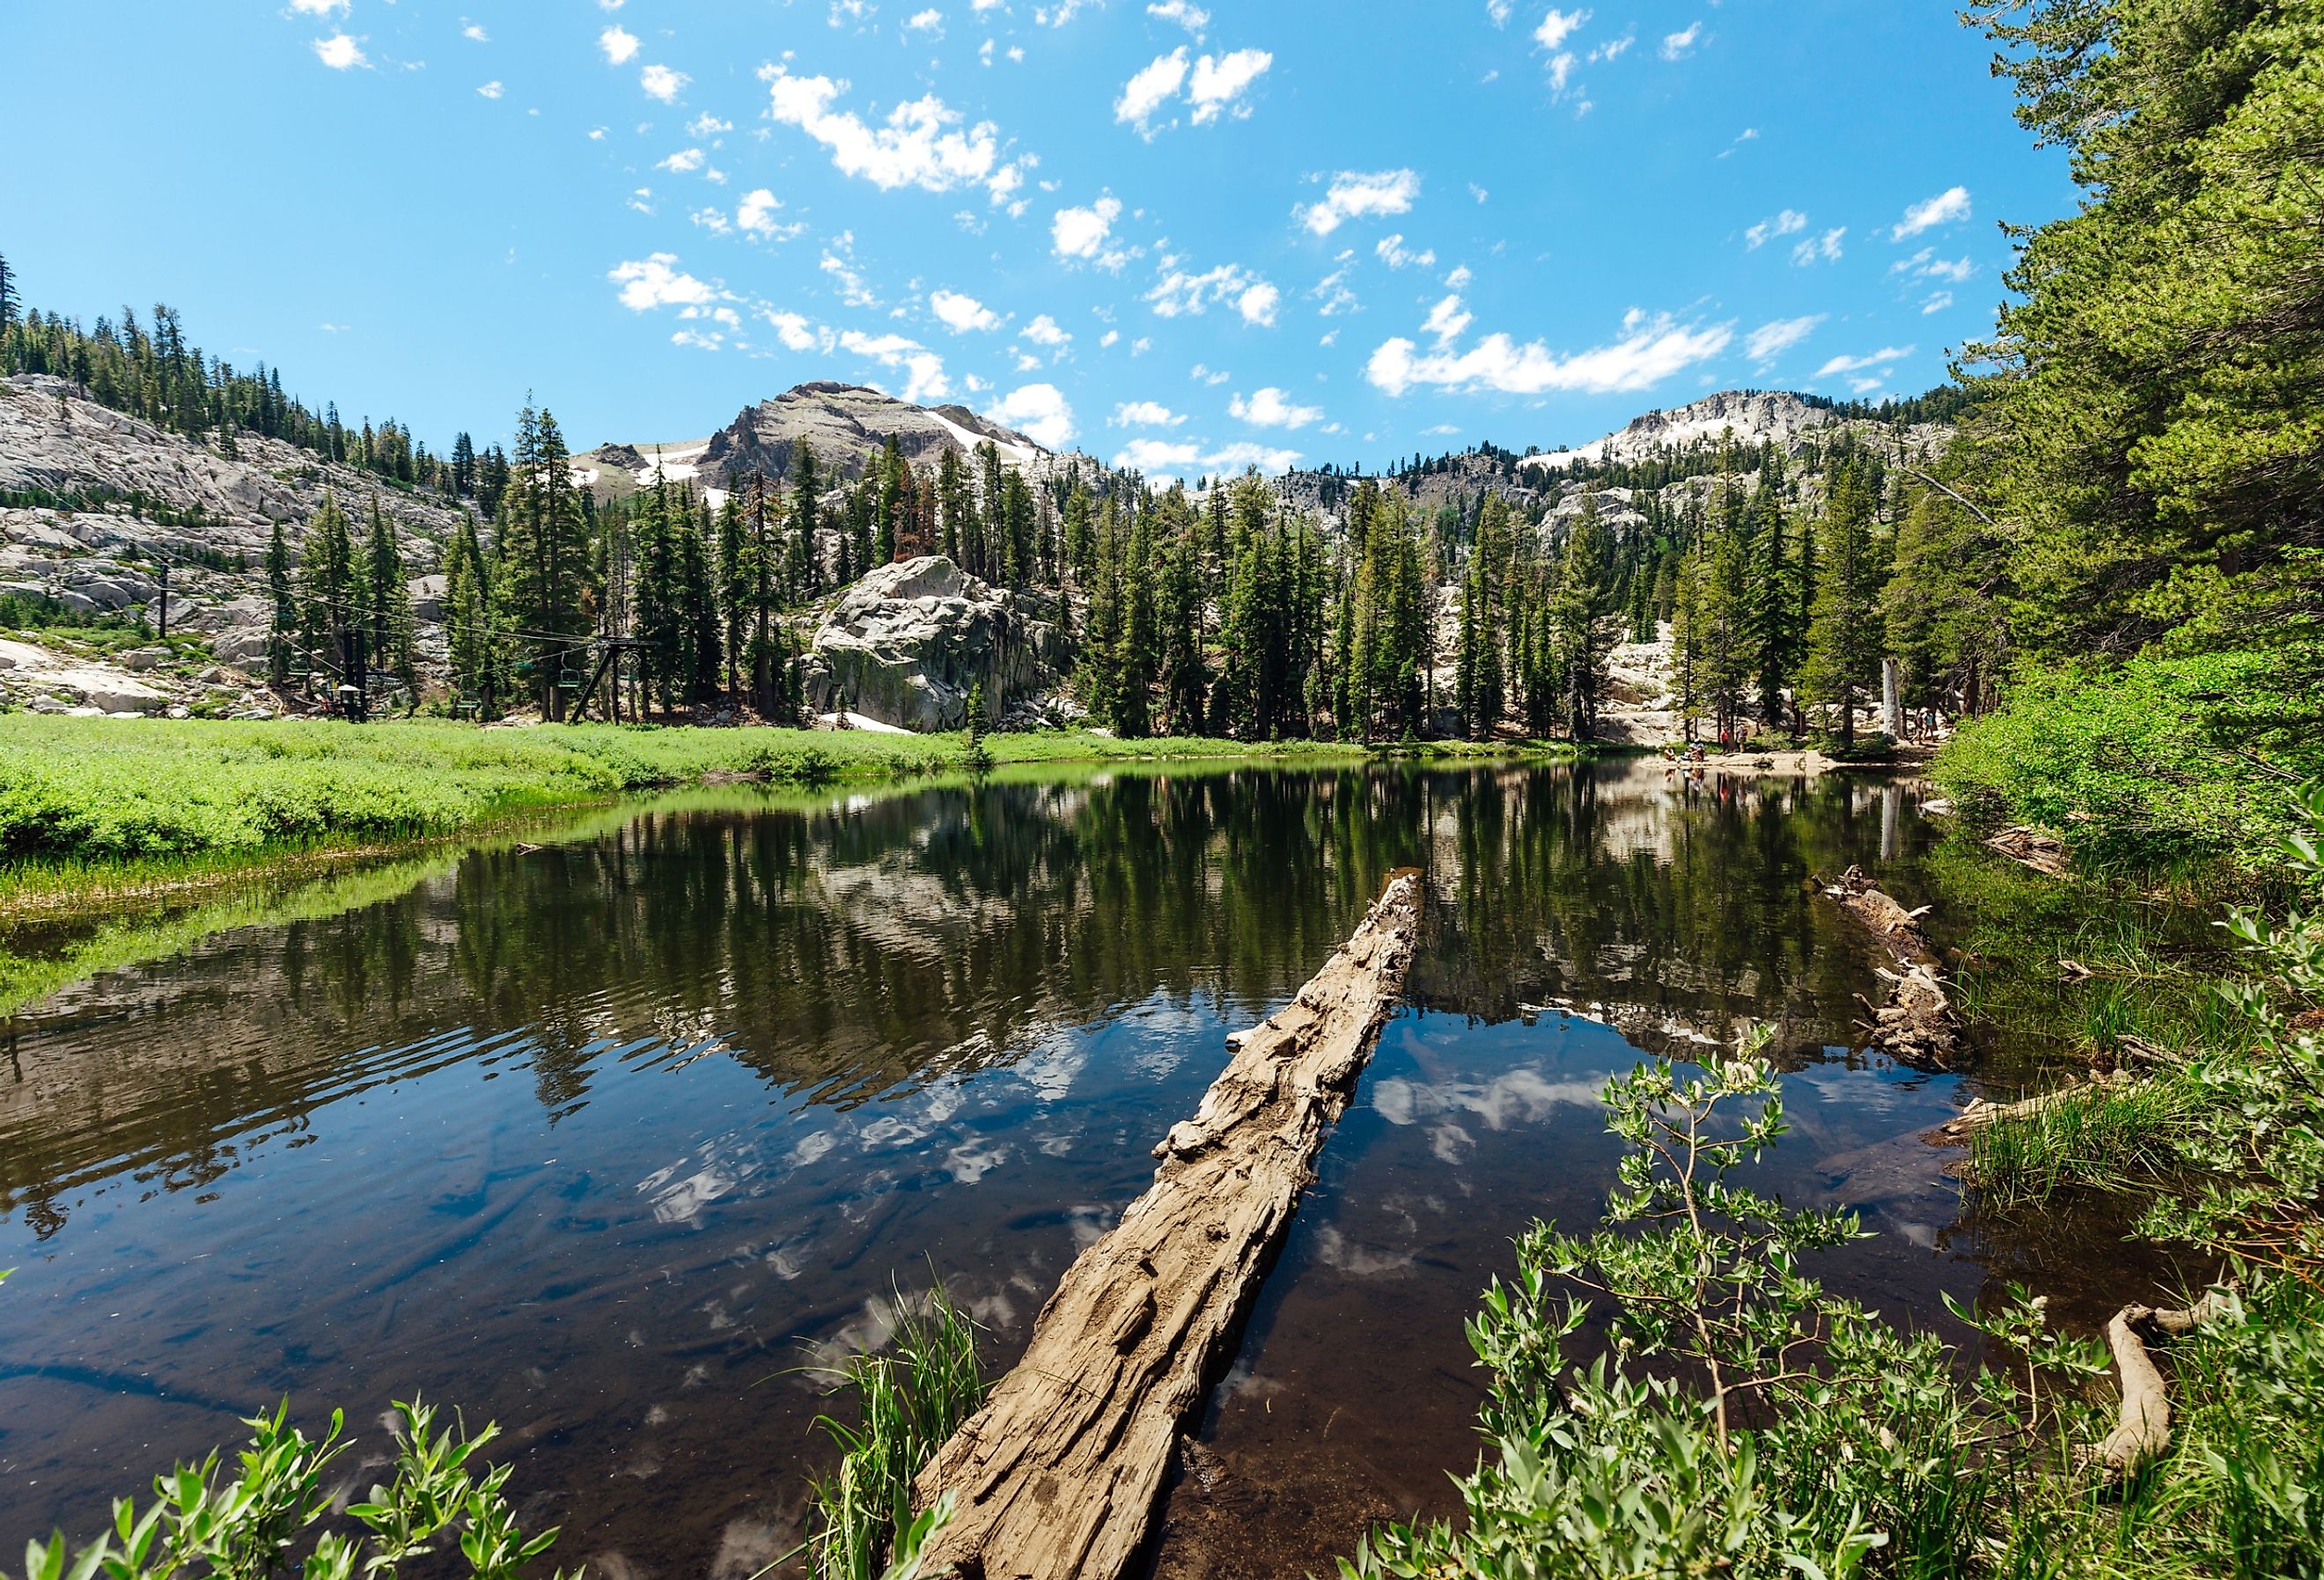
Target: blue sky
point(1185, 234)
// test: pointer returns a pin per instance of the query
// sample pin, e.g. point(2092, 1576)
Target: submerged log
point(2037, 848)
point(1917, 1025)
point(1057, 1478)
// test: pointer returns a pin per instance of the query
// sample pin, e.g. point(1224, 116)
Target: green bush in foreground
point(199, 1525)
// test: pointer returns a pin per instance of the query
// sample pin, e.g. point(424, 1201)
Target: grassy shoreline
point(82, 797)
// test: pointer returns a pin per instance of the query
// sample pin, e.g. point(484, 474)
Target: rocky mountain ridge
point(847, 424)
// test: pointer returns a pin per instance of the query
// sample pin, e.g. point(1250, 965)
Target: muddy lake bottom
point(611, 1139)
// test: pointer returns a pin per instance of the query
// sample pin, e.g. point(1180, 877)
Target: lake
point(611, 1133)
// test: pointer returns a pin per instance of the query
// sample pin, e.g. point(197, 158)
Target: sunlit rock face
point(908, 643)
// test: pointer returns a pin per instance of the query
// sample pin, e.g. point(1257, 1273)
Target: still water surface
point(606, 1138)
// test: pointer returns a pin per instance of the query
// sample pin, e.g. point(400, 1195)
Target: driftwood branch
point(1057, 1478)
point(2143, 1431)
point(1917, 1025)
point(2037, 848)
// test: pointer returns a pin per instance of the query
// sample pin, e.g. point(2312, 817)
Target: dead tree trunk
point(1056, 1478)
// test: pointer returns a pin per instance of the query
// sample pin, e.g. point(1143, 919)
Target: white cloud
point(1234, 457)
point(1157, 454)
point(706, 125)
point(1043, 331)
point(1257, 302)
point(713, 220)
point(1193, 18)
point(662, 83)
point(1170, 459)
point(1217, 84)
point(839, 263)
point(1333, 292)
point(1179, 293)
point(930, 21)
point(756, 213)
point(1611, 50)
point(1446, 319)
point(923, 370)
point(1825, 247)
point(961, 314)
point(318, 8)
point(1879, 360)
point(1154, 85)
point(1771, 340)
point(1783, 224)
point(1040, 412)
point(1213, 379)
point(1352, 194)
point(1083, 233)
point(797, 332)
point(1212, 86)
point(924, 143)
point(1145, 414)
point(656, 280)
point(1675, 44)
point(491, 90)
point(685, 161)
point(1271, 408)
point(1458, 279)
point(1925, 264)
point(475, 32)
point(340, 53)
point(1498, 10)
point(1947, 207)
point(619, 43)
point(1391, 250)
point(1937, 303)
point(1558, 26)
point(1651, 349)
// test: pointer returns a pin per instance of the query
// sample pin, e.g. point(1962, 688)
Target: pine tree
point(803, 570)
point(735, 578)
point(283, 636)
point(329, 610)
point(388, 621)
point(1845, 638)
point(1185, 681)
point(1579, 615)
point(469, 633)
point(10, 302)
point(1135, 669)
point(661, 613)
point(545, 553)
point(698, 596)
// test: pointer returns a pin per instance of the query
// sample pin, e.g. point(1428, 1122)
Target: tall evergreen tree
point(1845, 638)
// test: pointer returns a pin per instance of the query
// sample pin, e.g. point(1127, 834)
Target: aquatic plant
point(910, 1398)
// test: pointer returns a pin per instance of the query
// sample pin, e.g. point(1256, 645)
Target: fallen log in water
point(1056, 1478)
point(2142, 1430)
point(2037, 848)
point(1917, 1025)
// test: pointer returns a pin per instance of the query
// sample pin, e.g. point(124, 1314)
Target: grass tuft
point(2107, 1138)
point(910, 1398)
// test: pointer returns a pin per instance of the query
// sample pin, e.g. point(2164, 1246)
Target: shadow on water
point(602, 1133)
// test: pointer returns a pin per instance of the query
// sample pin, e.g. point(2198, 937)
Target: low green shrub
point(2145, 764)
